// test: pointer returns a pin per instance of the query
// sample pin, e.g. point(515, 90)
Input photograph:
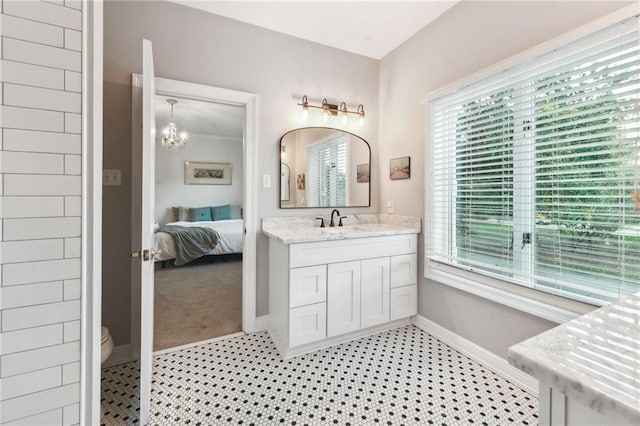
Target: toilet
point(106, 343)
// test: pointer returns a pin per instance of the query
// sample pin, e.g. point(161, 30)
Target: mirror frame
point(318, 207)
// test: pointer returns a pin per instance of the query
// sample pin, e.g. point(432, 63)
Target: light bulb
point(325, 116)
point(344, 112)
point(361, 114)
point(305, 114)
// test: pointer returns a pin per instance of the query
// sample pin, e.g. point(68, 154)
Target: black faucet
point(335, 211)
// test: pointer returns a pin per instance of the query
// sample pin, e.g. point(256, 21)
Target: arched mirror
point(327, 168)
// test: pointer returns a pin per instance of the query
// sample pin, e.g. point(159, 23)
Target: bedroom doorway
point(199, 192)
point(180, 90)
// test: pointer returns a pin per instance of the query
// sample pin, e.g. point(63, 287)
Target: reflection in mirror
point(285, 182)
point(325, 163)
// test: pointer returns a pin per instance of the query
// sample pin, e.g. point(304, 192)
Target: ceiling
point(199, 117)
point(368, 28)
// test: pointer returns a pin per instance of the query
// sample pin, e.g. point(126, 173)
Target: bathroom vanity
point(588, 368)
point(330, 285)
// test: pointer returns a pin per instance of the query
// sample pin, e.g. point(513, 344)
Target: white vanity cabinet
point(326, 292)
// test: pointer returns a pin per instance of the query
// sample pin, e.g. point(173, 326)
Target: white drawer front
point(307, 285)
point(307, 324)
point(404, 270)
point(333, 251)
point(404, 302)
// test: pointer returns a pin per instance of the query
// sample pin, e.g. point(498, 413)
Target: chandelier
point(170, 140)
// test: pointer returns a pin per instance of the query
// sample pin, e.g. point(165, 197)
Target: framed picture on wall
point(207, 173)
point(400, 168)
point(362, 173)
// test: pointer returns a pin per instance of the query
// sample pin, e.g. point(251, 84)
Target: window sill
point(533, 302)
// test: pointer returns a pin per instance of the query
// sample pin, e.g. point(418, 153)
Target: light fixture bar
point(331, 108)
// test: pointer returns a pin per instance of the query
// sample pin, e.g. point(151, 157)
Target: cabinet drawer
point(316, 253)
point(404, 302)
point(307, 324)
point(307, 285)
point(404, 270)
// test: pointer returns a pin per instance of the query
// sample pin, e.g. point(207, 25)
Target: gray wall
point(216, 51)
point(466, 39)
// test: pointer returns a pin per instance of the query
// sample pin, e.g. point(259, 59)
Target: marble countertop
point(302, 229)
point(593, 359)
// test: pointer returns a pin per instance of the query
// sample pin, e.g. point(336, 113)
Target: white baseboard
point(121, 354)
point(342, 338)
point(262, 323)
point(477, 353)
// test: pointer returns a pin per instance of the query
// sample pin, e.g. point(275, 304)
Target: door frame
point(249, 101)
point(91, 301)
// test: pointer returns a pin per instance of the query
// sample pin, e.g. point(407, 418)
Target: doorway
point(141, 347)
point(248, 102)
point(199, 188)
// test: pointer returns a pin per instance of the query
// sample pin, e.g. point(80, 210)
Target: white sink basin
point(333, 231)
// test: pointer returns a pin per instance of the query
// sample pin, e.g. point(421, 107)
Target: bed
point(230, 235)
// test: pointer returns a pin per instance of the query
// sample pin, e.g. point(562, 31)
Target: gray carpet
point(197, 302)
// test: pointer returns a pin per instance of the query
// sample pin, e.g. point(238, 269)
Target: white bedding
point(230, 241)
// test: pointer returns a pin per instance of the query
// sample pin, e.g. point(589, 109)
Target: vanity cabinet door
point(374, 291)
point(343, 297)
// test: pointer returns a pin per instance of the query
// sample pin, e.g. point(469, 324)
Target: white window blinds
point(326, 167)
point(533, 169)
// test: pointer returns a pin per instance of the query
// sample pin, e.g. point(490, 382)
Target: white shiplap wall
point(40, 211)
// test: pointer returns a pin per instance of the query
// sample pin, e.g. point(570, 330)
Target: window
point(326, 166)
point(533, 170)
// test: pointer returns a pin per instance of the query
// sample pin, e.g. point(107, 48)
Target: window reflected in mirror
point(285, 182)
point(325, 163)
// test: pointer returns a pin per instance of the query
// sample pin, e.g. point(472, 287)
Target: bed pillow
point(236, 212)
point(182, 214)
point(201, 214)
point(221, 212)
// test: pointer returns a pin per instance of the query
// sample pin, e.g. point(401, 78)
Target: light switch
point(389, 206)
point(111, 177)
point(266, 181)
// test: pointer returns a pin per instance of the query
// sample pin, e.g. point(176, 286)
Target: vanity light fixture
point(170, 140)
point(331, 110)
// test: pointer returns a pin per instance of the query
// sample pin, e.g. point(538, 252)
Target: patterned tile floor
point(403, 376)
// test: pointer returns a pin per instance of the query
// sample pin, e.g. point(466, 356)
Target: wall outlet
point(389, 206)
point(111, 177)
point(266, 181)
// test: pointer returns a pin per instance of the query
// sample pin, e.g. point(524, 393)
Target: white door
point(145, 253)
point(374, 288)
point(343, 297)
